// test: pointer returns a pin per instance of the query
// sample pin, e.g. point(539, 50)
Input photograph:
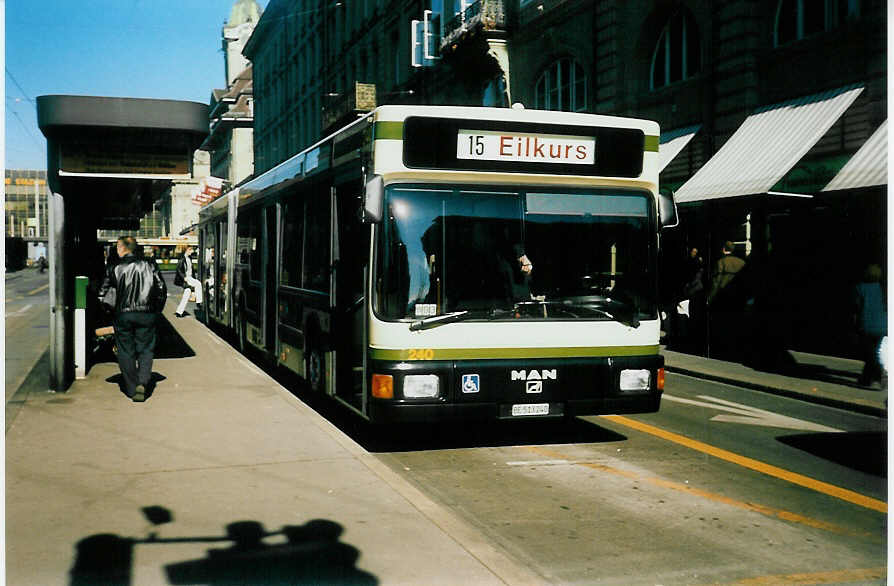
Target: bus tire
point(315, 368)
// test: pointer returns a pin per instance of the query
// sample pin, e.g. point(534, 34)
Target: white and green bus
point(433, 262)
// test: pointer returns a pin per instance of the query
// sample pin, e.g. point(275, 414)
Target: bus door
point(249, 279)
point(208, 265)
point(221, 290)
point(271, 252)
point(351, 245)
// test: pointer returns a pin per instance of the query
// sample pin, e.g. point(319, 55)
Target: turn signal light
point(383, 386)
point(659, 380)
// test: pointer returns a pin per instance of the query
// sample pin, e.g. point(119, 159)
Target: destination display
point(491, 145)
point(118, 160)
point(522, 147)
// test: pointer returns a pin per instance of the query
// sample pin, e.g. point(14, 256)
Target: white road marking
point(20, 311)
point(751, 415)
point(539, 463)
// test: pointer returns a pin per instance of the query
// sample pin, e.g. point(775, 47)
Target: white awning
point(672, 142)
point(869, 165)
point(767, 145)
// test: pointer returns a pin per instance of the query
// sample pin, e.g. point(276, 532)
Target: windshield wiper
point(631, 312)
point(628, 319)
point(439, 320)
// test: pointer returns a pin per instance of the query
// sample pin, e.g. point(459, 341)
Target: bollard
point(80, 325)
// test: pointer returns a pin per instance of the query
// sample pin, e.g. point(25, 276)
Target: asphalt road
point(722, 486)
point(27, 321)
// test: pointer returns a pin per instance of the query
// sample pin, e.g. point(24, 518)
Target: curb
point(818, 399)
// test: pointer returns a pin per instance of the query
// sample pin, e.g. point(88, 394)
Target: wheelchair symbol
point(471, 383)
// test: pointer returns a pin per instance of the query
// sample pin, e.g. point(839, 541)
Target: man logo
point(534, 374)
point(534, 386)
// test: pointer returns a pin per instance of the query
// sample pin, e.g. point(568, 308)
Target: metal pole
point(56, 257)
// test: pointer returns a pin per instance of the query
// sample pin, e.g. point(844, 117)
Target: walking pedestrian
point(185, 278)
point(690, 305)
point(140, 294)
point(726, 303)
point(870, 319)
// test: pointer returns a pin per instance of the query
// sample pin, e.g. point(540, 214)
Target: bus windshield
point(500, 254)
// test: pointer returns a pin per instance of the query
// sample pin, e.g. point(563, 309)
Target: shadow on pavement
point(862, 451)
point(447, 436)
point(118, 379)
point(297, 554)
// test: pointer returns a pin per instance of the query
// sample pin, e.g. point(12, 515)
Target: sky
point(165, 49)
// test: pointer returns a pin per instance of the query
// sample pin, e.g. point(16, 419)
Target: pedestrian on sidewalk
point(690, 305)
point(140, 294)
point(870, 319)
point(185, 278)
point(726, 303)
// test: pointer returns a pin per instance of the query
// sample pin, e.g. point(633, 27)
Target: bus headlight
point(635, 379)
point(421, 386)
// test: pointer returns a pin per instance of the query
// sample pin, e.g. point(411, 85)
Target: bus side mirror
point(374, 199)
point(667, 210)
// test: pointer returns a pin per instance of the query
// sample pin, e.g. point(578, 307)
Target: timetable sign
point(489, 145)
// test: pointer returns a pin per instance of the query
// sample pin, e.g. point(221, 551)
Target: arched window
point(563, 86)
point(797, 19)
point(677, 54)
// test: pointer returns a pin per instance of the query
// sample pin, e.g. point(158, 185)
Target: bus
point(430, 263)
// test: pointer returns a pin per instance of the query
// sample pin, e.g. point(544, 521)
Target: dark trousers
point(135, 336)
point(872, 368)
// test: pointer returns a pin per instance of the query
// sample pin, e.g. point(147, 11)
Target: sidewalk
point(820, 379)
point(229, 456)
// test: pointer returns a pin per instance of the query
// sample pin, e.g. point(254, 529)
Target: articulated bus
point(432, 262)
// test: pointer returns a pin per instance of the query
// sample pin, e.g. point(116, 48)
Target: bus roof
point(316, 156)
point(398, 113)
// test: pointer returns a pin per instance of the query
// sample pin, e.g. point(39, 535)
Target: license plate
point(530, 409)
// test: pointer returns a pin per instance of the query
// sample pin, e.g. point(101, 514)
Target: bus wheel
point(316, 371)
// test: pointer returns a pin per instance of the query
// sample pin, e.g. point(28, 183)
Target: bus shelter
point(108, 160)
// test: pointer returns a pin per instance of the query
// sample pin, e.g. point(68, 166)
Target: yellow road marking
point(753, 507)
point(830, 577)
point(39, 289)
point(793, 477)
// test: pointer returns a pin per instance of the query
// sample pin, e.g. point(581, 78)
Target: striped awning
point(869, 165)
point(768, 144)
point(672, 142)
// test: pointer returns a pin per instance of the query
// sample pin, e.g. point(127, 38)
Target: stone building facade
point(231, 137)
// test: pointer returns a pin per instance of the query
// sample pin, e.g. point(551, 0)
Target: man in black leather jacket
point(140, 294)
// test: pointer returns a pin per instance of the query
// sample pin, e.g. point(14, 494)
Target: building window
point(563, 86)
point(798, 19)
point(677, 54)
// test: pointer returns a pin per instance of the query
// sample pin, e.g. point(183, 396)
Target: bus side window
point(248, 253)
point(292, 241)
point(353, 239)
point(316, 244)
